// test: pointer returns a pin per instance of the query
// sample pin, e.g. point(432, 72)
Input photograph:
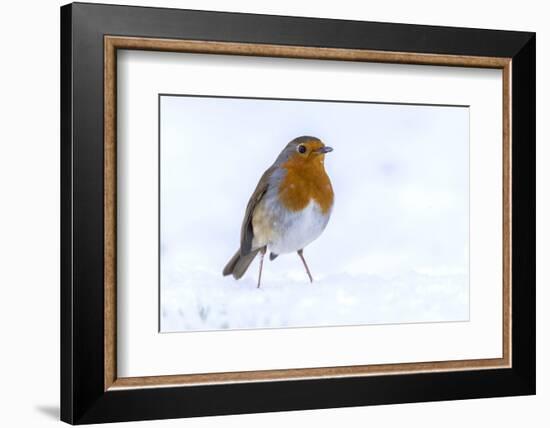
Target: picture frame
point(91, 390)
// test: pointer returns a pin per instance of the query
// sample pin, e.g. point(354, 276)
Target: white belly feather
point(285, 231)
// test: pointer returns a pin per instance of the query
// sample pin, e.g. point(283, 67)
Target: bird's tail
point(239, 264)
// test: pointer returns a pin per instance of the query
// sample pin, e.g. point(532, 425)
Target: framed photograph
point(265, 213)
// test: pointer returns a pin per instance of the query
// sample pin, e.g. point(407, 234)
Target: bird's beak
point(324, 149)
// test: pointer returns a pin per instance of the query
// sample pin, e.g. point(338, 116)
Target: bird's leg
point(262, 254)
point(301, 254)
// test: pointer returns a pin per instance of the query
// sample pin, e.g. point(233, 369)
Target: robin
point(289, 208)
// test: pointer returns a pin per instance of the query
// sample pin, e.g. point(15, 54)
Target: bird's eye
point(302, 149)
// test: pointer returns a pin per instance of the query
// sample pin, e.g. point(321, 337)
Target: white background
point(144, 352)
point(29, 230)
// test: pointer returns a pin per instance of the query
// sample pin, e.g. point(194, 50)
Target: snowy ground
point(202, 300)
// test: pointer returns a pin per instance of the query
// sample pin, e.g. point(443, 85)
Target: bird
point(289, 209)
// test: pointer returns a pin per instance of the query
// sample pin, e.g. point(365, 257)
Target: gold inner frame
point(112, 43)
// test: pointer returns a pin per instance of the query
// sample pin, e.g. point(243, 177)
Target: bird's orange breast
point(303, 182)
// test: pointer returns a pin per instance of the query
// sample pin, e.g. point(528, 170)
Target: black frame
point(83, 399)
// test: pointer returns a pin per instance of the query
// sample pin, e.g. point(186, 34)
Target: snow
point(203, 301)
point(194, 299)
point(396, 249)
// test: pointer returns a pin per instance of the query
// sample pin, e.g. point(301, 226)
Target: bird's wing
point(247, 233)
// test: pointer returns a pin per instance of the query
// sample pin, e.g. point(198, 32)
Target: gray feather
point(238, 264)
point(247, 233)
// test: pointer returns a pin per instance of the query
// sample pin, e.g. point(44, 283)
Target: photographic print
point(313, 200)
point(281, 213)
